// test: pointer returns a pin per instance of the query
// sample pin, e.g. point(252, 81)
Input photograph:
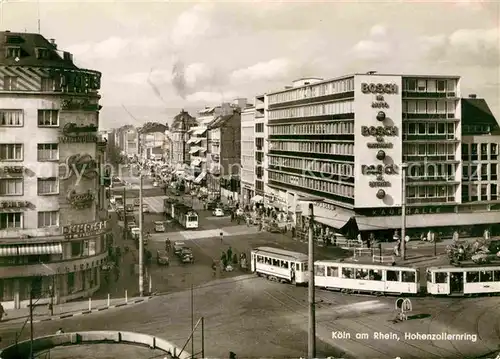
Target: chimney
point(472, 95)
point(53, 43)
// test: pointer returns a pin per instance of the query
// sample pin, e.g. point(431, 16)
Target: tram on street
point(349, 277)
point(280, 265)
point(184, 215)
point(463, 280)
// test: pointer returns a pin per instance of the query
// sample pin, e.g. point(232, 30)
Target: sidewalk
point(66, 310)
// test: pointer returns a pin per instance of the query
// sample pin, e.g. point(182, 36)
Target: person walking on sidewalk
point(60, 331)
point(2, 312)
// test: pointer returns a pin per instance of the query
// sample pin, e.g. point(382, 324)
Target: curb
point(85, 312)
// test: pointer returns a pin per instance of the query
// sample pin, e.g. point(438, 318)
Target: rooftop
point(28, 49)
point(183, 122)
point(476, 112)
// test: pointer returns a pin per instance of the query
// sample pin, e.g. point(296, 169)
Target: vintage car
point(159, 226)
point(162, 257)
point(178, 247)
point(186, 255)
point(218, 212)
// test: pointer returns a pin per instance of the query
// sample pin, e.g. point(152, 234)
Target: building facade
point(53, 212)
point(247, 154)
point(259, 148)
point(356, 141)
point(181, 125)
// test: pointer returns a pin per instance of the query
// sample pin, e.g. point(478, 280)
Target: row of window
point(484, 171)
point(476, 129)
point(15, 152)
point(15, 118)
point(435, 171)
point(318, 128)
point(430, 85)
point(11, 83)
point(16, 220)
point(430, 106)
point(15, 186)
point(487, 151)
point(313, 184)
point(281, 263)
point(365, 274)
point(329, 148)
point(480, 192)
point(430, 149)
point(470, 277)
point(336, 168)
point(323, 89)
point(429, 128)
point(332, 108)
point(438, 191)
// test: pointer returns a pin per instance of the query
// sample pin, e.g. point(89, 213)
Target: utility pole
point(403, 210)
point(125, 224)
point(311, 342)
point(141, 237)
point(192, 318)
point(32, 356)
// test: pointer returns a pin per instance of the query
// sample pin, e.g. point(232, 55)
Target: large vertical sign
point(378, 141)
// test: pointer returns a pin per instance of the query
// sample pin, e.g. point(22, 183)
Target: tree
point(114, 155)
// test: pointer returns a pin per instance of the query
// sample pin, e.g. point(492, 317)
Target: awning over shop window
point(256, 198)
point(194, 149)
point(8, 251)
point(200, 131)
point(196, 162)
point(342, 223)
point(194, 140)
point(40, 249)
point(200, 177)
point(201, 149)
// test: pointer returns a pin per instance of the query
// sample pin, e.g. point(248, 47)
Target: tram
point(182, 214)
point(350, 277)
point(280, 265)
point(464, 280)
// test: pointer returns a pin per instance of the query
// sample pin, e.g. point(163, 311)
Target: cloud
point(378, 31)
point(211, 97)
point(198, 74)
point(141, 78)
point(370, 49)
point(192, 24)
point(466, 47)
point(263, 71)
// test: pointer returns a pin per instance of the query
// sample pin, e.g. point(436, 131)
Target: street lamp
point(311, 342)
point(404, 166)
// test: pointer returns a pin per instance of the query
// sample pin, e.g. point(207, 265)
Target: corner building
point(53, 211)
point(355, 141)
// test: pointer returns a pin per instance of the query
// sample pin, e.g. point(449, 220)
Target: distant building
point(181, 125)
point(53, 221)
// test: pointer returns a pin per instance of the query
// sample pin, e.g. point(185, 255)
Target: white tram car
point(280, 265)
point(367, 278)
point(466, 280)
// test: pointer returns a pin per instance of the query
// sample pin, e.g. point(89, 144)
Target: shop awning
point(194, 140)
point(256, 198)
point(427, 220)
point(194, 149)
point(195, 162)
point(8, 251)
point(40, 249)
point(342, 223)
point(202, 150)
point(200, 131)
point(200, 177)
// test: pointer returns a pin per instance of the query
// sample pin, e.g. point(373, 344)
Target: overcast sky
point(159, 57)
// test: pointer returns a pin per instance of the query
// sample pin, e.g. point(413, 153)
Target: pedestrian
point(2, 312)
point(60, 331)
point(214, 268)
point(221, 234)
point(229, 254)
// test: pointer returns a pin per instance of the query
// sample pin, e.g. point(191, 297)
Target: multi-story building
point(224, 150)
point(247, 154)
point(53, 217)
point(181, 125)
point(357, 140)
point(259, 148)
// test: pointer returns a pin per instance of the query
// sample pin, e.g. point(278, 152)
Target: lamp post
point(141, 237)
point(311, 338)
point(404, 166)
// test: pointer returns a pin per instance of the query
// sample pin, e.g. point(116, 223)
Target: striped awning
point(194, 149)
point(8, 251)
point(196, 162)
point(200, 177)
point(40, 249)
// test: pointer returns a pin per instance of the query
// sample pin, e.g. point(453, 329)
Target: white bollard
point(150, 285)
point(90, 303)
point(126, 296)
point(109, 300)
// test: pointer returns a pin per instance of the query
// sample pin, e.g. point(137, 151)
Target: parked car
point(135, 232)
point(159, 226)
point(162, 257)
point(211, 205)
point(218, 212)
point(129, 208)
point(145, 208)
point(186, 255)
point(131, 224)
point(137, 202)
point(178, 247)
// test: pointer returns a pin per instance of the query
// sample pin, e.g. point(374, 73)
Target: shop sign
point(383, 212)
point(379, 88)
point(12, 170)
point(378, 145)
point(379, 184)
point(78, 104)
point(379, 169)
point(84, 230)
point(79, 80)
point(81, 165)
point(80, 200)
point(74, 129)
point(14, 204)
point(378, 131)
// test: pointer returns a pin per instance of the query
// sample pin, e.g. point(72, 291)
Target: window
point(408, 277)
point(48, 219)
point(472, 277)
point(319, 270)
point(348, 273)
point(48, 118)
point(484, 172)
point(11, 220)
point(259, 127)
point(465, 151)
point(11, 187)
point(332, 271)
point(10, 83)
point(11, 118)
point(47, 84)
point(441, 277)
point(473, 151)
point(11, 152)
point(411, 85)
point(486, 276)
point(441, 85)
point(392, 276)
point(71, 282)
point(48, 186)
point(493, 151)
point(48, 151)
point(76, 250)
point(12, 52)
point(421, 86)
